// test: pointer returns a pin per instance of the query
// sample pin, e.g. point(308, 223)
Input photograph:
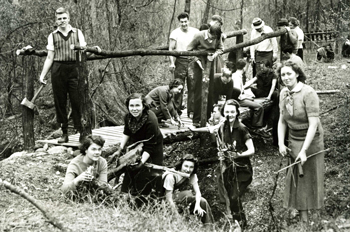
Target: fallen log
point(52, 220)
point(333, 91)
point(129, 158)
point(158, 167)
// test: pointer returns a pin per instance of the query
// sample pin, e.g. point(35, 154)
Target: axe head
point(27, 103)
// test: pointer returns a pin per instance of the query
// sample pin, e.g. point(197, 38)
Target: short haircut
point(90, 139)
point(294, 21)
point(230, 65)
point(136, 96)
point(226, 72)
point(241, 63)
point(301, 75)
point(233, 103)
point(204, 27)
point(183, 15)
point(288, 49)
point(175, 83)
point(61, 10)
point(187, 157)
point(218, 19)
point(215, 29)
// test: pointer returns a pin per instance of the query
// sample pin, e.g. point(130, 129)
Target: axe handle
point(37, 93)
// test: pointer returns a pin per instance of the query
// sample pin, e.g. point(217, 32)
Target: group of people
point(299, 120)
point(298, 106)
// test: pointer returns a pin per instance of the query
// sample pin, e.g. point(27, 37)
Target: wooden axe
point(30, 104)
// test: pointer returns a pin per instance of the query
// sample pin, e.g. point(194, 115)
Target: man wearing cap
point(265, 50)
point(64, 74)
point(290, 39)
point(182, 67)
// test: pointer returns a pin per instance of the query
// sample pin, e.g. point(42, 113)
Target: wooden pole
point(85, 101)
point(28, 114)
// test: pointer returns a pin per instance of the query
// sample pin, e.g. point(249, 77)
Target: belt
point(263, 51)
point(65, 62)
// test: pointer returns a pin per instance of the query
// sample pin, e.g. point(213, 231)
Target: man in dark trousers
point(182, 66)
point(64, 74)
point(208, 40)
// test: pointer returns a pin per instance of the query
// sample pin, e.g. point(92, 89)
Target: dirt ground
point(40, 174)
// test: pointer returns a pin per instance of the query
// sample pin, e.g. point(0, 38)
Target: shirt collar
point(297, 87)
point(206, 36)
point(70, 28)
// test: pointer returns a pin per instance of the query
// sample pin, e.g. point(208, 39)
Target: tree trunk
point(85, 101)
point(28, 114)
point(206, 13)
point(188, 6)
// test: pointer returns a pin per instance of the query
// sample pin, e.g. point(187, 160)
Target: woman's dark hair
point(294, 21)
point(183, 15)
point(241, 63)
point(90, 139)
point(204, 27)
point(175, 83)
point(233, 103)
point(215, 30)
point(187, 157)
point(301, 75)
point(136, 96)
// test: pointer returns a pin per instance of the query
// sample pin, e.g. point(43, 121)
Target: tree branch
point(54, 221)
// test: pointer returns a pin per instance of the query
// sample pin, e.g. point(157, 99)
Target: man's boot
point(64, 137)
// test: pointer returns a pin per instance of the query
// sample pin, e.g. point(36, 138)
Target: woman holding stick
point(299, 115)
point(235, 174)
point(141, 124)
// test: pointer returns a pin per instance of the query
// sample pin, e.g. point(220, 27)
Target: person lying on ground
point(179, 196)
point(161, 101)
point(87, 166)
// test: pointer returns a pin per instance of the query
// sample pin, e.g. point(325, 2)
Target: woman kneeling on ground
point(87, 166)
point(235, 173)
point(177, 192)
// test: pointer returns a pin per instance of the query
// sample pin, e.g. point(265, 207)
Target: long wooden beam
point(145, 52)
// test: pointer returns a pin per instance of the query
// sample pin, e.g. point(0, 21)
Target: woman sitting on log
point(299, 115)
point(87, 166)
point(235, 173)
point(141, 126)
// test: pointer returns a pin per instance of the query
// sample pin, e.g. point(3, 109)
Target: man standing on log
point(265, 50)
point(182, 67)
point(64, 72)
point(208, 40)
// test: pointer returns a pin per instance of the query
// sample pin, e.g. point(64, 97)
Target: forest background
point(133, 24)
point(126, 25)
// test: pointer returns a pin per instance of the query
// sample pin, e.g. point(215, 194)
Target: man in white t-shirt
point(182, 66)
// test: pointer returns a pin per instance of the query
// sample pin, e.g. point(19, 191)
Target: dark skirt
point(307, 192)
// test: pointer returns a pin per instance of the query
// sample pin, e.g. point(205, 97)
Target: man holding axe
point(64, 74)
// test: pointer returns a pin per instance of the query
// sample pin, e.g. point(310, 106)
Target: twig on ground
point(54, 221)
